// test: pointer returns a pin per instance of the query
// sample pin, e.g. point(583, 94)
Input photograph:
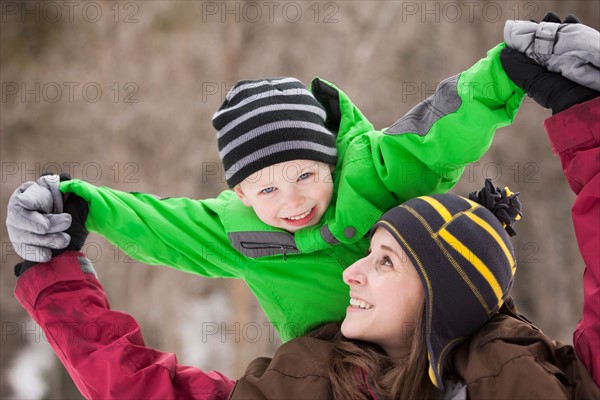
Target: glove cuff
point(23, 266)
point(84, 263)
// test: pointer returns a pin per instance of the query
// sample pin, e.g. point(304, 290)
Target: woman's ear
point(240, 193)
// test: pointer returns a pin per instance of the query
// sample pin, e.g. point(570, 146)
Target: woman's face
point(386, 296)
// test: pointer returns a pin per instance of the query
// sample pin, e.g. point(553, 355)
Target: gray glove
point(35, 222)
point(52, 182)
point(570, 49)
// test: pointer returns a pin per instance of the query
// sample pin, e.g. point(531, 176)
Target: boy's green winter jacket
point(297, 278)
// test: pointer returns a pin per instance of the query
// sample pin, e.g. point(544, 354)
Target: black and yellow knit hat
point(462, 252)
point(269, 121)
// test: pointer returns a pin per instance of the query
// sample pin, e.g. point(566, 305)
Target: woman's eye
point(304, 176)
point(387, 261)
point(268, 190)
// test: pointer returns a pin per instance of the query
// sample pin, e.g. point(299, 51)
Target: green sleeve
point(182, 233)
point(427, 150)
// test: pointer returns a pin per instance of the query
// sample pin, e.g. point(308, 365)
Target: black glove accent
point(548, 89)
point(330, 100)
point(551, 17)
point(23, 266)
point(78, 208)
point(571, 19)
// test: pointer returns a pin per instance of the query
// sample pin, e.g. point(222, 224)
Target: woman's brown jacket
point(509, 358)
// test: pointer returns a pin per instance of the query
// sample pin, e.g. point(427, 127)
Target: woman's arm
point(103, 350)
point(575, 137)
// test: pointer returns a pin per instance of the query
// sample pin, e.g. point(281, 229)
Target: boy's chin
point(293, 229)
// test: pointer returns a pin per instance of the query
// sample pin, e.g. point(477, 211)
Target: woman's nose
point(353, 275)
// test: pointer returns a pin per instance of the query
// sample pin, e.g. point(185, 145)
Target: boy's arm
point(424, 152)
point(427, 150)
point(179, 232)
point(113, 362)
point(575, 137)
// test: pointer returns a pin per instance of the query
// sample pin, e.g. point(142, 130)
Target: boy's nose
point(294, 200)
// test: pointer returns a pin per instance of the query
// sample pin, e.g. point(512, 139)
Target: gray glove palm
point(35, 222)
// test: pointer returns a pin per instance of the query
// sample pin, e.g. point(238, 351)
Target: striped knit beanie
point(269, 121)
point(463, 255)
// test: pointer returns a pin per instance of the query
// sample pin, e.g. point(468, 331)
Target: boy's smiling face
point(290, 195)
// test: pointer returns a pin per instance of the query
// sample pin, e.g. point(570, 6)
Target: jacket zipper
point(264, 246)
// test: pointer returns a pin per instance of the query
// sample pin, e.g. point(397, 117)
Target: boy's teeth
point(300, 216)
point(360, 304)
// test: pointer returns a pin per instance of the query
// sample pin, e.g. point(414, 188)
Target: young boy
point(310, 175)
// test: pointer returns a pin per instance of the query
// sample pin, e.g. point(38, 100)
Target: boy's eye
point(304, 176)
point(268, 190)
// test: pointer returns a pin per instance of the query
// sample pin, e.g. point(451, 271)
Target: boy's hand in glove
point(77, 208)
point(35, 221)
point(549, 89)
point(35, 231)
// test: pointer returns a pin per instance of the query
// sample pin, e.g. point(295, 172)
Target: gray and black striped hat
point(269, 121)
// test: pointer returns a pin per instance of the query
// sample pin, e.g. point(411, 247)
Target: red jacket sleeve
point(103, 350)
point(575, 137)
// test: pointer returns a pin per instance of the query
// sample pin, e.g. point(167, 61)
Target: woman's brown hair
point(389, 378)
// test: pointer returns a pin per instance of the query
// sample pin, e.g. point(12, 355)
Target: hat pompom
point(501, 202)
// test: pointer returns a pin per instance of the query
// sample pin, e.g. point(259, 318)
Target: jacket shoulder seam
point(501, 368)
point(286, 375)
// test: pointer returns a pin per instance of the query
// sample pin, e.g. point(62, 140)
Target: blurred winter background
point(121, 94)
